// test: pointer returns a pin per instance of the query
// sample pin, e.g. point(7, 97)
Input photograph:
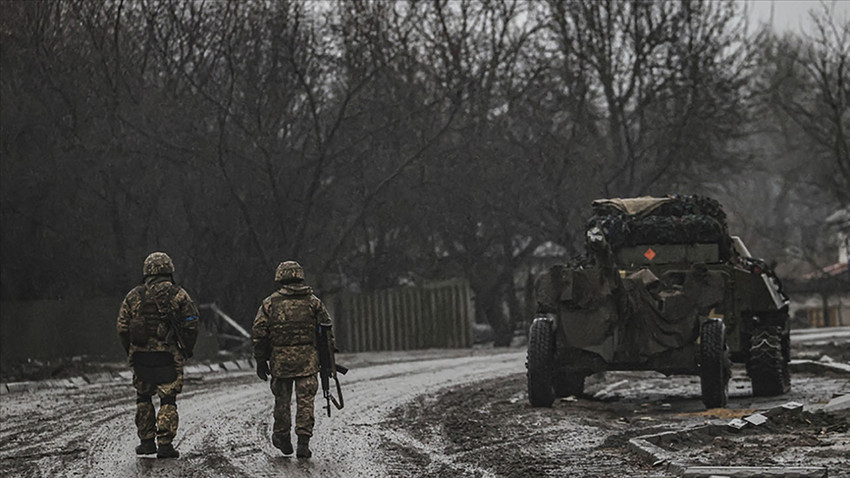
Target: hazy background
point(792, 16)
point(388, 143)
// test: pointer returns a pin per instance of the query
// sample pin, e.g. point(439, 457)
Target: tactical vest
point(292, 321)
point(149, 320)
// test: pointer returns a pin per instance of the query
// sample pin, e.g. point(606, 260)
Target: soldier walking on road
point(158, 327)
point(285, 334)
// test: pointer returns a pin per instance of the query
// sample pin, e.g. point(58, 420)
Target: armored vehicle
point(662, 286)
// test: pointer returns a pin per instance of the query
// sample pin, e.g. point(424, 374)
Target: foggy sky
point(792, 15)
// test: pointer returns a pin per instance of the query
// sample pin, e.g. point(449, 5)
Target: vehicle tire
point(768, 363)
point(568, 383)
point(540, 363)
point(714, 365)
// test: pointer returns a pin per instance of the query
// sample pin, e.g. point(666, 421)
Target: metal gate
point(435, 315)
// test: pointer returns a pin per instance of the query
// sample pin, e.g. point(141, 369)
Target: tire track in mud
point(225, 424)
point(53, 428)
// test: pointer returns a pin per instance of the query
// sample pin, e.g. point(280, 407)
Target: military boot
point(147, 447)
point(282, 442)
point(303, 447)
point(167, 451)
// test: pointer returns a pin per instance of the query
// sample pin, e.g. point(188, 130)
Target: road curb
point(649, 448)
point(817, 366)
point(202, 368)
point(754, 472)
point(841, 402)
point(356, 360)
point(655, 455)
point(17, 387)
point(98, 377)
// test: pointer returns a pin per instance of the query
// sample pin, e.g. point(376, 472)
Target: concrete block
point(17, 387)
point(3, 389)
point(838, 403)
point(192, 370)
point(77, 381)
point(610, 388)
point(811, 366)
point(244, 364)
point(790, 408)
point(212, 367)
point(99, 377)
point(756, 419)
point(754, 471)
point(737, 424)
point(126, 375)
point(655, 455)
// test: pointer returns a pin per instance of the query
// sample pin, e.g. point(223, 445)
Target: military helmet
point(289, 271)
point(158, 263)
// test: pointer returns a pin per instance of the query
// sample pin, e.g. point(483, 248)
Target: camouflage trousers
point(161, 425)
point(305, 394)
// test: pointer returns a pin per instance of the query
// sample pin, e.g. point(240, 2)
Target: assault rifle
point(175, 329)
point(328, 368)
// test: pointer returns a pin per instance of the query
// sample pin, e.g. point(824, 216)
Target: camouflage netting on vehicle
point(674, 220)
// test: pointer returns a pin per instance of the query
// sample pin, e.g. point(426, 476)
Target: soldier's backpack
point(150, 319)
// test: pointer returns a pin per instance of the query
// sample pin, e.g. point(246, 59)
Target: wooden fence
point(437, 315)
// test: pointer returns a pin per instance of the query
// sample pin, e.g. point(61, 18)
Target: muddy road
point(225, 422)
point(444, 414)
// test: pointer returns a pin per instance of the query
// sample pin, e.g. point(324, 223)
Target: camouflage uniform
point(284, 334)
point(158, 284)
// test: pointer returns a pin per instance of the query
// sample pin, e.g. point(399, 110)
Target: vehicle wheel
point(768, 363)
point(540, 363)
point(714, 366)
point(567, 383)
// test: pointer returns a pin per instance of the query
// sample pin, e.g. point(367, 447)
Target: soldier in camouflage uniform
point(285, 334)
point(158, 327)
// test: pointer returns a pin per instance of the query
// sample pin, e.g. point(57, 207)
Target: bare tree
point(661, 82)
point(377, 142)
point(810, 88)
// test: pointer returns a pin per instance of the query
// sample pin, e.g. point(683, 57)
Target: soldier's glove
point(263, 370)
